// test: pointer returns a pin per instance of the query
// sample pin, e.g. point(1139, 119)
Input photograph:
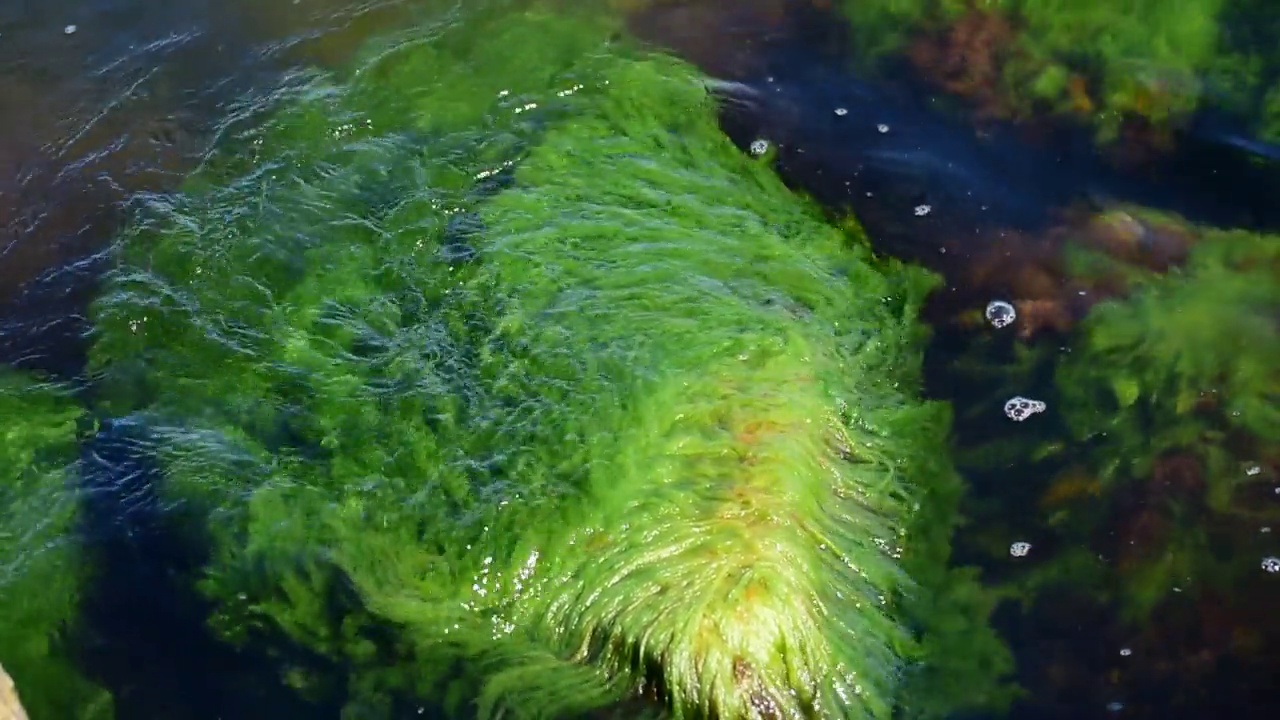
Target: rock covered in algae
point(42, 574)
point(1104, 60)
point(1160, 441)
point(570, 393)
point(1185, 370)
point(1186, 359)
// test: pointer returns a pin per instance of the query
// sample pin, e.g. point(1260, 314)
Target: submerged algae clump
point(1106, 61)
point(729, 417)
point(42, 575)
point(1171, 396)
point(1142, 59)
point(577, 397)
point(1187, 359)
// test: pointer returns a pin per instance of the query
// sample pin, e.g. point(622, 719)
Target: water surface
point(103, 99)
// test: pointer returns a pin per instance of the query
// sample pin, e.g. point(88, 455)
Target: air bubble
point(759, 147)
point(1000, 313)
point(842, 111)
point(1020, 549)
point(1271, 564)
point(1020, 408)
point(882, 128)
point(922, 210)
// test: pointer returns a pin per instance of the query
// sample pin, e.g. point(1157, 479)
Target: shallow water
point(101, 101)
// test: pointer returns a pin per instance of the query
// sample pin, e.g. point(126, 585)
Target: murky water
point(1095, 587)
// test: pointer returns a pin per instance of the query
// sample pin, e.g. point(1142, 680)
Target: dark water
point(102, 100)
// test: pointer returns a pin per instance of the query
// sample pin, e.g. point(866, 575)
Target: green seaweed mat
point(572, 395)
point(42, 572)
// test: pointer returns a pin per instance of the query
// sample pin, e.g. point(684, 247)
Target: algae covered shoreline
point(488, 378)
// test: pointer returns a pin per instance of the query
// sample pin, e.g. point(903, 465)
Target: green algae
point(506, 381)
point(1187, 361)
point(1146, 59)
point(884, 27)
point(1246, 76)
point(43, 575)
point(1134, 58)
point(1152, 472)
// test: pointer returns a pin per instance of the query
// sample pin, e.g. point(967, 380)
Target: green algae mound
point(42, 573)
point(505, 382)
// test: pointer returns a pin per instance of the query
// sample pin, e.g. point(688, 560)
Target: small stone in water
point(1000, 313)
point(1020, 408)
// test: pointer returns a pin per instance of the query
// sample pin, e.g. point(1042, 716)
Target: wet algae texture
point(499, 379)
point(42, 574)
